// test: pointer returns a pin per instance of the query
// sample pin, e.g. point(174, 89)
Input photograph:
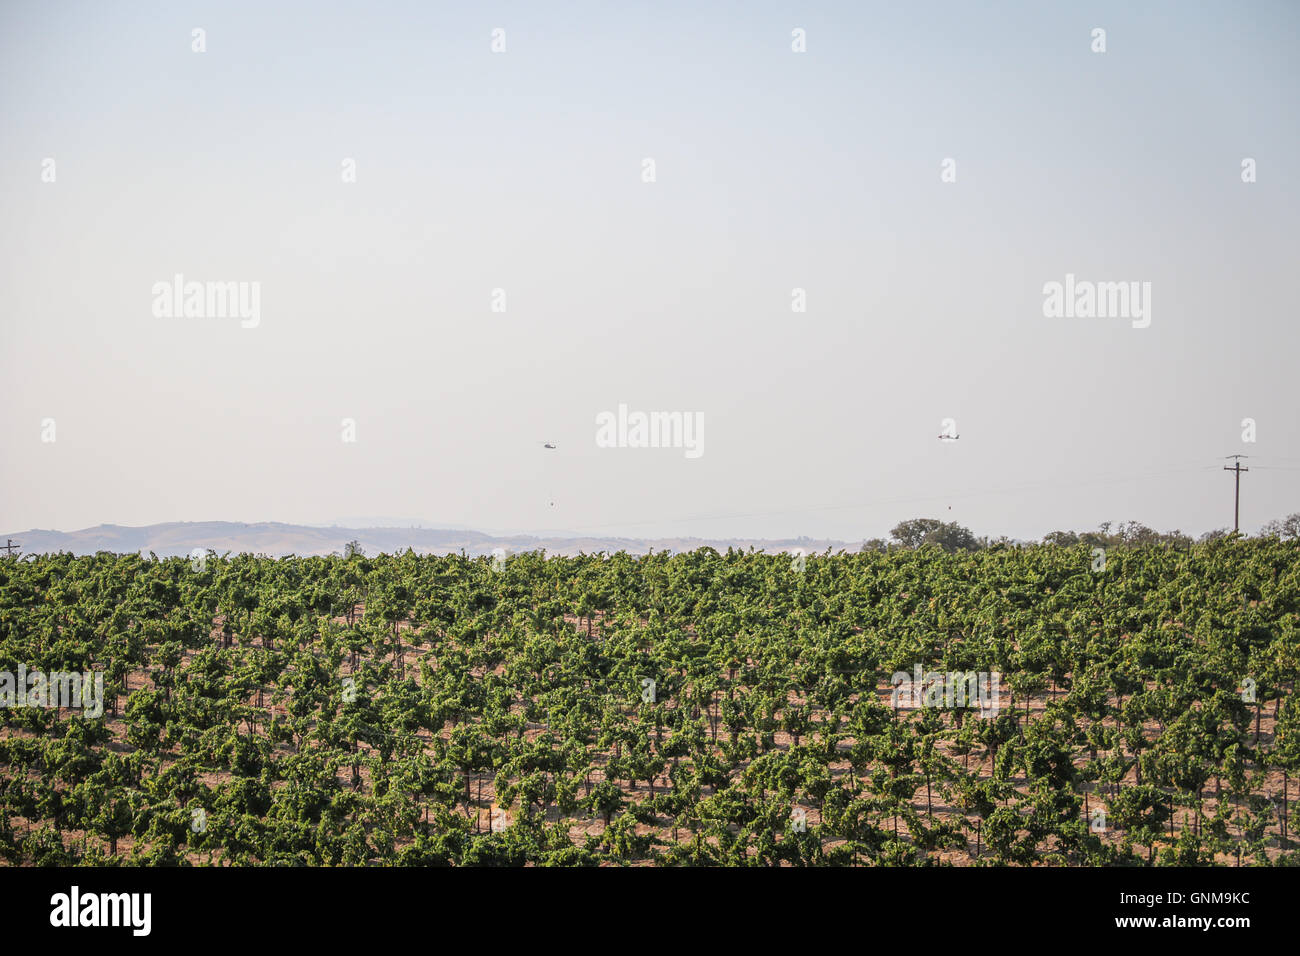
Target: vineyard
point(689, 709)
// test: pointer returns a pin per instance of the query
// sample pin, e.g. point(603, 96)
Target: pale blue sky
point(522, 171)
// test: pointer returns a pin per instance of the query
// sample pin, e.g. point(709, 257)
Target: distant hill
point(276, 539)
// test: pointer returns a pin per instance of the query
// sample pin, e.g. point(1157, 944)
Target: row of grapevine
point(696, 708)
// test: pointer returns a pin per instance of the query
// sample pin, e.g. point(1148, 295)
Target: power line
point(1236, 501)
point(950, 496)
point(10, 547)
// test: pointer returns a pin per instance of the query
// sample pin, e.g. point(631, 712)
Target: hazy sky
point(774, 170)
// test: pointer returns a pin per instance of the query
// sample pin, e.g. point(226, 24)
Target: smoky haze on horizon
point(750, 271)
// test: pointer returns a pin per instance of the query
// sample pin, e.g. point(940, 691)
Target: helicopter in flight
point(550, 445)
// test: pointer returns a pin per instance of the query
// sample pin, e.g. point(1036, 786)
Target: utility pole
point(10, 547)
point(1236, 504)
